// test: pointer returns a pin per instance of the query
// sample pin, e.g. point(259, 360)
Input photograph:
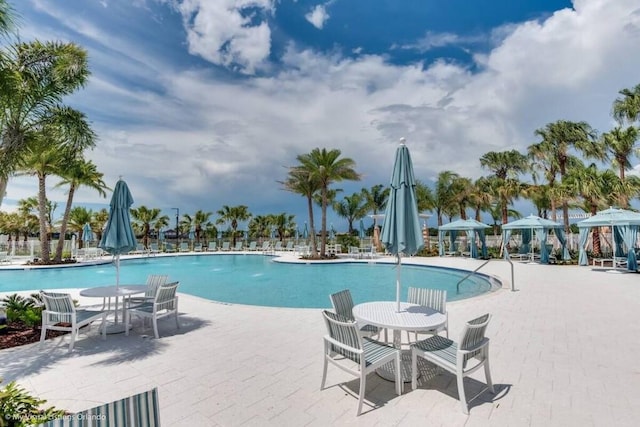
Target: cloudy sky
point(201, 103)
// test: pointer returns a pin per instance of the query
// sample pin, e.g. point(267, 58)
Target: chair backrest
point(184, 245)
point(473, 334)
point(212, 244)
point(432, 298)
point(238, 245)
point(57, 302)
point(289, 245)
point(139, 410)
point(278, 245)
point(153, 282)
point(252, 245)
point(345, 332)
point(165, 297)
point(225, 245)
point(343, 304)
point(265, 245)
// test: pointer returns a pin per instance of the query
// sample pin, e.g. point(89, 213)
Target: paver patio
point(563, 353)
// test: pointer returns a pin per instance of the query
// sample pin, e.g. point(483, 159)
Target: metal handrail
point(482, 265)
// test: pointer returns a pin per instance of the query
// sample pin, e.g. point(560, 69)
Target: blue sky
point(201, 103)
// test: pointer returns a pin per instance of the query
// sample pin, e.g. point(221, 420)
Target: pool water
point(256, 279)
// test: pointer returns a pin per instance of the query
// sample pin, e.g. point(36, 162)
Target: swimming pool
point(256, 279)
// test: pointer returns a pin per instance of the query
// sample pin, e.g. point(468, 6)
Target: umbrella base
point(116, 328)
point(388, 371)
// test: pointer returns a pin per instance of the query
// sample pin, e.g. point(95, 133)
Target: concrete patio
point(563, 350)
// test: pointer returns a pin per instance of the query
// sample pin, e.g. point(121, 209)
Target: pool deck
point(563, 353)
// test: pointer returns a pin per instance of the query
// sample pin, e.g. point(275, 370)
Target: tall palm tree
point(352, 208)
point(200, 219)
point(302, 182)
point(326, 167)
point(78, 217)
point(160, 223)
point(554, 152)
point(626, 108)
point(376, 198)
point(619, 145)
point(481, 197)
point(34, 79)
point(443, 198)
point(76, 173)
point(506, 167)
point(463, 191)
point(233, 214)
point(99, 221)
point(283, 224)
point(144, 217)
point(259, 226)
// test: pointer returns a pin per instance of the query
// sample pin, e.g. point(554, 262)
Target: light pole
point(177, 223)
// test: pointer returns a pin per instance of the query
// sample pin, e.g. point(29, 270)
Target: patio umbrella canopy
point(622, 221)
point(361, 232)
point(401, 232)
point(118, 237)
point(87, 233)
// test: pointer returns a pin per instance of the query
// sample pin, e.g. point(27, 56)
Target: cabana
point(470, 227)
point(624, 229)
point(540, 227)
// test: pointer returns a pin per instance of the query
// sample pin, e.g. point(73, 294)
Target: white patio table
point(113, 291)
point(411, 317)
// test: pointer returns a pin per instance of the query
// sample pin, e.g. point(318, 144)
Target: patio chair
point(455, 357)
point(212, 246)
point(153, 249)
point(197, 247)
point(139, 410)
point(252, 246)
point(343, 344)
point(278, 246)
point(184, 247)
point(289, 247)
point(342, 303)
point(266, 246)
point(60, 314)
point(165, 304)
point(432, 298)
point(168, 247)
point(238, 246)
point(226, 246)
point(153, 283)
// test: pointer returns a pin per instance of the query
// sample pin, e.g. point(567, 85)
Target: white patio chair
point(432, 298)
point(455, 357)
point(165, 304)
point(60, 314)
point(342, 303)
point(344, 346)
point(153, 283)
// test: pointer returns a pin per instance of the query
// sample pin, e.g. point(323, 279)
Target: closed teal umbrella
point(305, 232)
point(87, 233)
point(401, 232)
point(361, 232)
point(118, 237)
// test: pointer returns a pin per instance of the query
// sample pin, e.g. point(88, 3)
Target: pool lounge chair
point(238, 246)
point(184, 247)
point(168, 247)
point(212, 246)
point(252, 246)
point(226, 246)
point(266, 247)
point(139, 410)
point(289, 247)
point(153, 249)
point(278, 246)
point(197, 247)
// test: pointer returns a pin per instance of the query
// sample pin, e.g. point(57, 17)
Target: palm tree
point(463, 191)
point(619, 144)
point(144, 217)
point(326, 167)
point(553, 153)
point(300, 181)
point(34, 78)
point(200, 218)
point(283, 223)
point(259, 226)
point(78, 172)
point(100, 219)
point(376, 198)
point(352, 208)
point(78, 217)
point(627, 107)
point(506, 167)
point(160, 223)
point(443, 200)
point(481, 197)
point(233, 214)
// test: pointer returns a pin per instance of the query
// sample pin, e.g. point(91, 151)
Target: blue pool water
point(255, 279)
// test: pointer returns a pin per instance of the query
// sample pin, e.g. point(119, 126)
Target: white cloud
point(223, 32)
point(318, 16)
point(203, 142)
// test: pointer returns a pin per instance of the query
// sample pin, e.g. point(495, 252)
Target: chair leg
point(414, 369)
point(363, 386)
point(324, 372)
point(463, 398)
point(155, 328)
point(127, 319)
point(104, 326)
point(487, 372)
point(399, 382)
point(74, 333)
point(43, 333)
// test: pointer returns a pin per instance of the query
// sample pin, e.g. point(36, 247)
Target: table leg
point(388, 371)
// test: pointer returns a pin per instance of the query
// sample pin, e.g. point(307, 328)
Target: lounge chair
point(343, 343)
point(225, 246)
point(168, 247)
point(252, 246)
point(266, 246)
point(60, 314)
point(139, 410)
point(184, 247)
point(456, 357)
point(153, 249)
point(197, 247)
point(212, 246)
point(5, 257)
point(238, 246)
point(165, 304)
point(289, 247)
point(278, 246)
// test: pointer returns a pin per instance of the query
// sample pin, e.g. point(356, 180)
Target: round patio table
point(411, 317)
point(113, 291)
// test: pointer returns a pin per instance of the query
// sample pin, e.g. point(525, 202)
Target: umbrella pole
point(398, 283)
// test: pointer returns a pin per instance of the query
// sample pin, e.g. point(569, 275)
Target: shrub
point(19, 408)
